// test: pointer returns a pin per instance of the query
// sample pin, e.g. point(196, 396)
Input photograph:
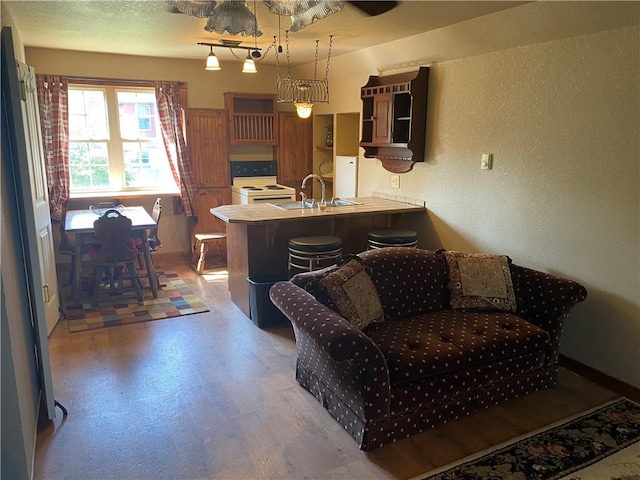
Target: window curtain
point(170, 113)
point(54, 124)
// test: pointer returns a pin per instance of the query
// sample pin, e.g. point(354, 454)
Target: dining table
point(80, 224)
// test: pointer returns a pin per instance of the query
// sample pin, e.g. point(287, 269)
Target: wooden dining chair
point(67, 247)
point(114, 257)
point(152, 236)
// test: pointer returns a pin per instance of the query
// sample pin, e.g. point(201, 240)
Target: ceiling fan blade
point(374, 8)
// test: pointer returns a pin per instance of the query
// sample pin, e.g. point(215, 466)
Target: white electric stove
point(246, 190)
point(256, 181)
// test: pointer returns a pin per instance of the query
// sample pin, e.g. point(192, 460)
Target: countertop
point(267, 213)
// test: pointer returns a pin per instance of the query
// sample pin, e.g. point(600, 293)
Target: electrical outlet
point(487, 161)
point(395, 181)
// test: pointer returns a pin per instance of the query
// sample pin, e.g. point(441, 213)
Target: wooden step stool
point(201, 247)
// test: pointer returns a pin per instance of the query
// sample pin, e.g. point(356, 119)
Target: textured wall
point(205, 88)
point(562, 121)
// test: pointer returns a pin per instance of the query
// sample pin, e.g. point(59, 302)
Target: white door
point(20, 96)
point(39, 197)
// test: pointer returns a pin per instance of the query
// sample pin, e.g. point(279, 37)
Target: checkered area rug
point(175, 299)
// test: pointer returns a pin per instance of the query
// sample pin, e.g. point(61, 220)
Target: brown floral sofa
point(398, 340)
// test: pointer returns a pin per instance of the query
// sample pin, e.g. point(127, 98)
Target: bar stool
point(312, 253)
point(392, 237)
point(202, 241)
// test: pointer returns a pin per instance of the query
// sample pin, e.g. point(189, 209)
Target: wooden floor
point(213, 396)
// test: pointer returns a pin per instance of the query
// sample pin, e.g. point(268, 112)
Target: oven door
point(275, 199)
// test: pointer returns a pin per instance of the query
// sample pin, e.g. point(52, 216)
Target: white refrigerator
point(345, 178)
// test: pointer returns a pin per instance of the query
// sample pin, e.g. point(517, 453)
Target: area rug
point(175, 299)
point(602, 444)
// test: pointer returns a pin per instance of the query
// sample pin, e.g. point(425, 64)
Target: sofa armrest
point(545, 300)
point(340, 355)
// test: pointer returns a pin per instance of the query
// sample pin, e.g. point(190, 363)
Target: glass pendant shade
point(289, 7)
point(233, 17)
point(304, 109)
point(195, 9)
point(319, 11)
point(212, 62)
point(249, 65)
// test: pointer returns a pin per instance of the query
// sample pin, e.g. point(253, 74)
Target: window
point(116, 142)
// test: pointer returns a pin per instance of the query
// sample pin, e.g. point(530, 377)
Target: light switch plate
point(395, 181)
point(487, 161)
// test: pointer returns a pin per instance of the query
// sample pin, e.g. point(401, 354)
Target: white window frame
point(115, 149)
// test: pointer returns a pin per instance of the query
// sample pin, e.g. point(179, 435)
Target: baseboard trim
point(600, 378)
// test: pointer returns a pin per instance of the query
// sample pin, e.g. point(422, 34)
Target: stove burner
point(273, 187)
point(250, 187)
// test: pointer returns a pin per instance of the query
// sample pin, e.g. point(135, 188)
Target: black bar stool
point(312, 253)
point(392, 237)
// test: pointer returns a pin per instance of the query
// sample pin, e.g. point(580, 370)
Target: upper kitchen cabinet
point(394, 119)
point(295, 156)
point(252, 118)
point(207, 134)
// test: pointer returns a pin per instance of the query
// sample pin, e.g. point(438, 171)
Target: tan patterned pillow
point(353, 294)
point(480, 281)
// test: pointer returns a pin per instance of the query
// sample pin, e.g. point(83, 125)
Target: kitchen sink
point(288, 206)
point(338, 202)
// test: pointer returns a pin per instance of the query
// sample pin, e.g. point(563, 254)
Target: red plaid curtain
point(170, 113)
point(54, 124)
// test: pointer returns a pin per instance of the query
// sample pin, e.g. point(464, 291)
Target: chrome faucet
point(304, 184)
point(305, 202)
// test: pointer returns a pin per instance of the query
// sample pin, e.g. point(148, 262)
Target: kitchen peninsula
point(258, 234)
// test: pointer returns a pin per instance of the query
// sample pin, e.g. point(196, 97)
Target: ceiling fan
point(373, 8)
point(302, 12)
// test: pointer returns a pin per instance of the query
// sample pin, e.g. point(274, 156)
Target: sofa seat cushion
point(437, 389)
point(448, 341)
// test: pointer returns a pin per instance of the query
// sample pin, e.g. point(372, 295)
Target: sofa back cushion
point(409, 281)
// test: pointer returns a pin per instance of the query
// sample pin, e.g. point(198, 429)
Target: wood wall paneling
point(208, 139)
point(295, 149)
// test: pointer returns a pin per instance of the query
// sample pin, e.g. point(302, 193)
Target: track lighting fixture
point(249, 66)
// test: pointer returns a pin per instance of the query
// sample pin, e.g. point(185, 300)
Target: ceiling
point(150, 28)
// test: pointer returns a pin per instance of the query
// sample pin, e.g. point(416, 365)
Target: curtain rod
point(113, 81)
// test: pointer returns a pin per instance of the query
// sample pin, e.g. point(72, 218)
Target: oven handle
point(276, 199)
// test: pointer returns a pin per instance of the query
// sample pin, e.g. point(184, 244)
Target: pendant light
point(249, 65)
point(302, 101)
point(304, 109)
point(212, 61)
point(303, 92)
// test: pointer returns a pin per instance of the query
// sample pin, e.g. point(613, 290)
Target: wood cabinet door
point(382, 112)
point(295, 153)
point(206, 199)
point(208, 141)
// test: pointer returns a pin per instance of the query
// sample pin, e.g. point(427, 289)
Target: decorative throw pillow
point(480, 281)
point(350, 291)
point(310, 281)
